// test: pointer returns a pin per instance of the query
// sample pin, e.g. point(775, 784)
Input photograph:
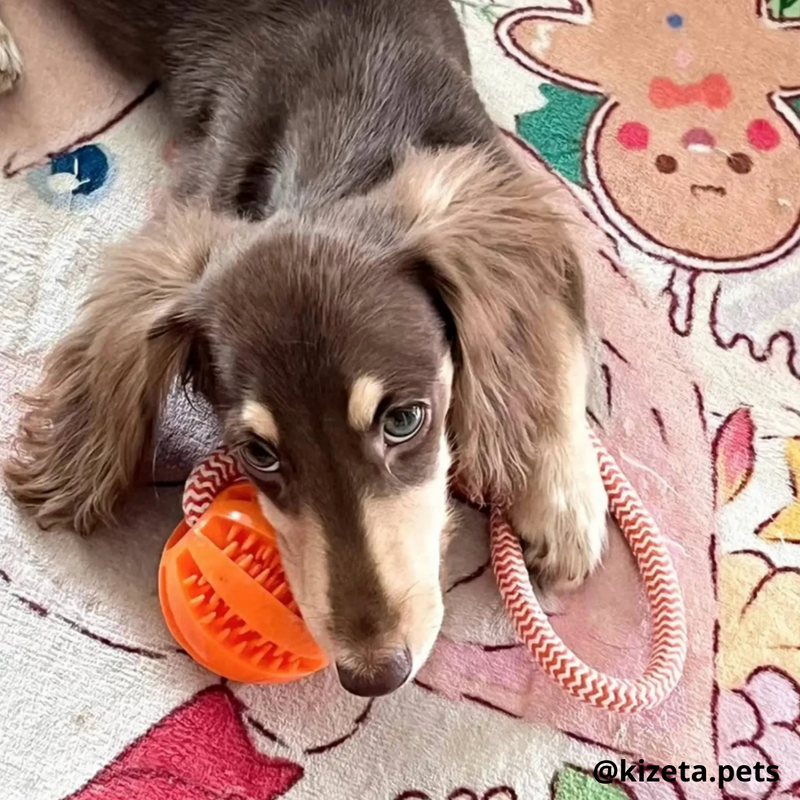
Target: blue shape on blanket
point(86, 169)
point(74, 178)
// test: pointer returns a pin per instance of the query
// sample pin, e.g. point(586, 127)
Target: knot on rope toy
point(668, 652)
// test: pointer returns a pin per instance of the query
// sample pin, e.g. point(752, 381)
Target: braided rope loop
point(668, 651)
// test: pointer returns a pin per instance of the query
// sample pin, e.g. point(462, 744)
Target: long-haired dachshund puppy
point(373, 294)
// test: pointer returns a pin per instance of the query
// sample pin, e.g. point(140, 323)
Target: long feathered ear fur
point(90, 422)
point(501, 262)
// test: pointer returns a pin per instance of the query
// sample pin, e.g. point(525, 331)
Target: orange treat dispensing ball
point(225, 597)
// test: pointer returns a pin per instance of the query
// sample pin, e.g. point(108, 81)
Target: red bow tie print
point(713, 91)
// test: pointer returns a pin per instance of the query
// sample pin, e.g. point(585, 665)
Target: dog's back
point(330, 90)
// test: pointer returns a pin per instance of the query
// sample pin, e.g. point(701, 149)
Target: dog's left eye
point(403, 423)
point(260, 456)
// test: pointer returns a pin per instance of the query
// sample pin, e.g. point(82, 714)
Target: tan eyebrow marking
point(365, 396)
point(260, 420)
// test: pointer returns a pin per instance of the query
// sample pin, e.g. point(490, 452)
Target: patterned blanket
point(673, 130)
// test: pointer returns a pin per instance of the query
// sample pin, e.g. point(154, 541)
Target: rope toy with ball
point(226, 600)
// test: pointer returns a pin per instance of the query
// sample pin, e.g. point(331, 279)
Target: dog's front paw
point(10, 60)
point(561, 516)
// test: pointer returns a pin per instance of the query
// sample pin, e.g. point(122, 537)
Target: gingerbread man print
point(690, 145)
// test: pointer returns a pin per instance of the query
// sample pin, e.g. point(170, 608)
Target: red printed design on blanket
point(734, 455)
point(201, 751)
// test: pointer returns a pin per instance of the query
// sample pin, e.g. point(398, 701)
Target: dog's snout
point(382, 678)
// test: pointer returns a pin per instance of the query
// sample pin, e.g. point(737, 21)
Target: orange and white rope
point(213, 474)
point(668, 651)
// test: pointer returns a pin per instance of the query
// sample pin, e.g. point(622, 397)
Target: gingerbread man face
point(692, 150)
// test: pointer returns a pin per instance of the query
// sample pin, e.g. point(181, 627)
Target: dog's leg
point(10, 60)
point(561, 514)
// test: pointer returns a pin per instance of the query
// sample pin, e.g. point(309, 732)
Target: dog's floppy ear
point(499, 261)
point(90, 422)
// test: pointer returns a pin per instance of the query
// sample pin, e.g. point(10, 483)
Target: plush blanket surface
point(673, 130)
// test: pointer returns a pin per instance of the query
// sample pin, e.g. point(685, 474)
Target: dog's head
point(332, 372)
point(351, 351)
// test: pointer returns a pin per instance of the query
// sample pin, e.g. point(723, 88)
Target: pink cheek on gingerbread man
point(633, 136)
point(762, 135)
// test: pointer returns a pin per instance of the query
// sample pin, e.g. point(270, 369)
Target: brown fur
point(493, 253)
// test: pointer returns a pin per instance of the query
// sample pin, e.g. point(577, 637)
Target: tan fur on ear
point(90, 422)
point(503, 264)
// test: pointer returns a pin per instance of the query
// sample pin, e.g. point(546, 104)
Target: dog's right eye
point(260, 456)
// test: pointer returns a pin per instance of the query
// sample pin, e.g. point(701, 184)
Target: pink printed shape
point(633, 136)
point(200, 751)
point(734, 455)
point(758, 723)
point(762, 135)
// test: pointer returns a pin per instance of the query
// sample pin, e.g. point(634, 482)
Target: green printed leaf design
point(558, 130)
point(784, 9)
point(574, 784)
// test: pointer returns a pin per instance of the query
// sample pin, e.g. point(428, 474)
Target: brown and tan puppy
point(369, 290)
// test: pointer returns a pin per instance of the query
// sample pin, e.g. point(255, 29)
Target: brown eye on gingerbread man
point(740, 163)
point(666, 164)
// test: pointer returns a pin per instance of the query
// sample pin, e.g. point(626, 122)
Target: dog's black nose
point(379, 679)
